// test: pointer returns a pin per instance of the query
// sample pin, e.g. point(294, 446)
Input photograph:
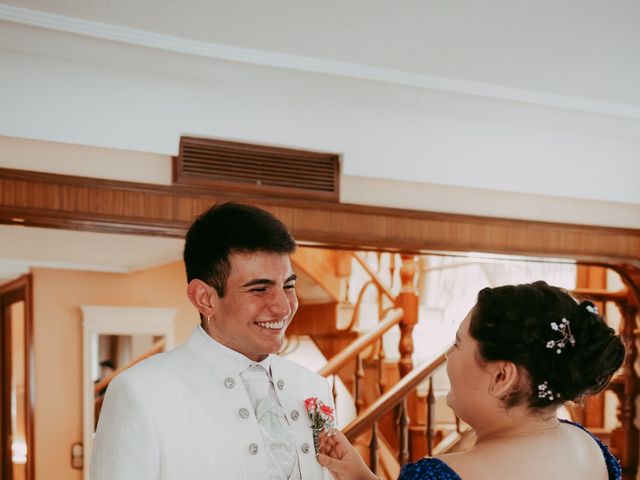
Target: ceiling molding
point(24, 265)
point(307, 64)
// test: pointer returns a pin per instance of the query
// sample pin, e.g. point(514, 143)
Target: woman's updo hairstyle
point(516, 323)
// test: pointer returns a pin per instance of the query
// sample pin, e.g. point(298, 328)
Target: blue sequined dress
point(434, 469)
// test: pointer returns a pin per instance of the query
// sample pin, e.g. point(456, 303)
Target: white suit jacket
point(176, 416)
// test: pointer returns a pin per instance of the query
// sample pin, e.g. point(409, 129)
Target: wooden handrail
point(393, 396)
point(104, 383)
point(375, 278)
point(602, 295)
point(354, 348)
point(358, 304)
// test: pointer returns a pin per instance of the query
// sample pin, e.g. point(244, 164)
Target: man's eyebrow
point(267, 281)
point(259, 281)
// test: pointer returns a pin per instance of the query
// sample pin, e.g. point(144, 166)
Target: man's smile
point(277, 325)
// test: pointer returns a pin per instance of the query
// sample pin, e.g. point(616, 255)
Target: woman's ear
point(201, 297)
point(505, 377)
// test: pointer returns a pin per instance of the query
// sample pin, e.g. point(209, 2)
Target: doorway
point(16, 367)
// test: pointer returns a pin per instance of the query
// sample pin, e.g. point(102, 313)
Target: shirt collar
point(237, 356)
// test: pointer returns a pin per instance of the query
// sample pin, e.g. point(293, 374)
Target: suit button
point(253, 449)
point(305, 448)
point(243, 412)
point(229, 382)
point(280, 384)
point(295, 415)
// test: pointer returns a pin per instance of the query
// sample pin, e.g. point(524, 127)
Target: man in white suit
point(221, 406)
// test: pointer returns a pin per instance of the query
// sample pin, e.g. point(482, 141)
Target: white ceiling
point(24, 247)
point(580, 48)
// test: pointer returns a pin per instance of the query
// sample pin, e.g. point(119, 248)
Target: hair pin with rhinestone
point(564, 329)
point(545, 392)
point(592, 309)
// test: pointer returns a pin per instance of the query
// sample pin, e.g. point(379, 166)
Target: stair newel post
point(403, 421)
point(625, 437)
point(430, 421)
point(359, 375)
point(408, 300)
point(373, 448)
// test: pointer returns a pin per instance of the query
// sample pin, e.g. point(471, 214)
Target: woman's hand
point(339, 456)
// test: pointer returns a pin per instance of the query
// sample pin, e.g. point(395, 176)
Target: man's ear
point(202, 296)
point(505, 377)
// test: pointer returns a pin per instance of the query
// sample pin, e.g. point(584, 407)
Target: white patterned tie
point(281, 453)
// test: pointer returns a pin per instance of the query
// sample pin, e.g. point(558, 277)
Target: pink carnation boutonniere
point(321, 416)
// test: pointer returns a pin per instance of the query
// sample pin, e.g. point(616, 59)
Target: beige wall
point(58, 296)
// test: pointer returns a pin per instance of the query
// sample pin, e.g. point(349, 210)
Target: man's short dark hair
point(108, 364)
point(231, 228)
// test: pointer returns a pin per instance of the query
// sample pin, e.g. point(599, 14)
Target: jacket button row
point(305, 448)
point(243, 412)
point(253, 449)
point(229, 382)
point(295, 415)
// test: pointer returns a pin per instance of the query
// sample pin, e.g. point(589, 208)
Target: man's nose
point(280, 303)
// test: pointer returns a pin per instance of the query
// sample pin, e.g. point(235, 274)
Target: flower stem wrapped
point(321, 417)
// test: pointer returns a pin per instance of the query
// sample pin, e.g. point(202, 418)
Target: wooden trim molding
point(61, 201)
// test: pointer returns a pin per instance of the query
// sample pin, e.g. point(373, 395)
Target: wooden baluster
point(379, 260)
point(359, 375)
point(347, 290)
point(408, 300)
point(334, 393)
point(380, 301)
point(403, 421)
point(373, 448)
point(458, 429)
point(625, 437)
point(344, 261)
point(430, 400)
point(382, 381)
point(392, 270)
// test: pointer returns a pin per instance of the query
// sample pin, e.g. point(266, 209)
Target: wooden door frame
point(20, 289)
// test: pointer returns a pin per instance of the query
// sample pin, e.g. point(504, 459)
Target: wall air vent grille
point(263, 170)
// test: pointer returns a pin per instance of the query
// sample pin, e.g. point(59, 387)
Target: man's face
point(258, 305)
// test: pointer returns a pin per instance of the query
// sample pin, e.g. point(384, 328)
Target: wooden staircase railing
point(393, 317)
point(396, 397)
point(354, 351)
point(375, 278)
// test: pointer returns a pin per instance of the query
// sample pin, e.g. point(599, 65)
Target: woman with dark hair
point(520, 353)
